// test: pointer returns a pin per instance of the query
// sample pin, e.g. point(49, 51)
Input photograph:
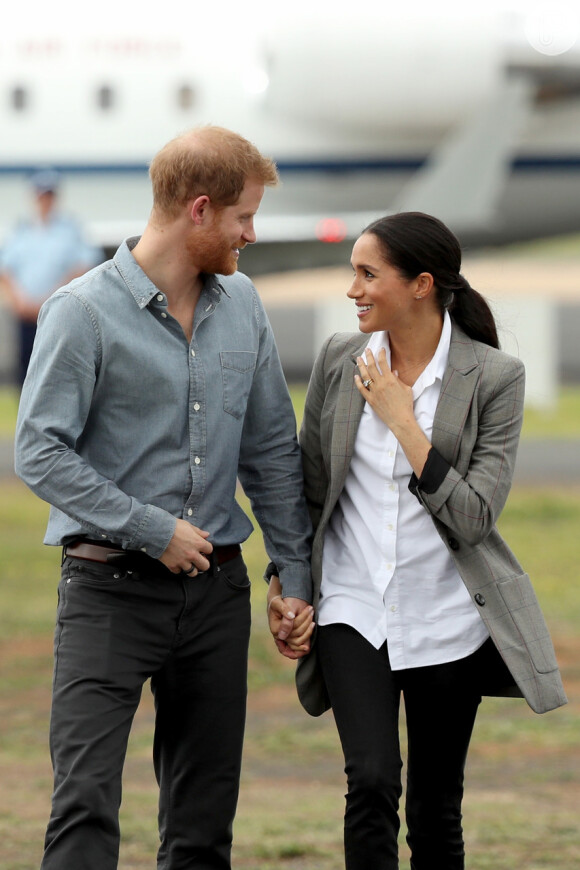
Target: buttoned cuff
point(271, 571)
point(296, 582)
point(434, 472)
point(154, 533)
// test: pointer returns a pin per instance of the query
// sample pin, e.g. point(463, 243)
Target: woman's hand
point(388, 396)
point(291, 622)
point(392, 401)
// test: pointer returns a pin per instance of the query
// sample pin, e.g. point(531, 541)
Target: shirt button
point(193, 353)
point(163, 314)
point(390, 527)
point(389, 566)
point(393, 608)
point(197, 460)
point(190, 512)
point(197, 406)
point(391, 453)
point(160, 297)
point(143, 549)
point(392, 487)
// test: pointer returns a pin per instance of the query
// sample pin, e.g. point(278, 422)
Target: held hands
point(187, 550)
point(388, 396)
point(291, 622)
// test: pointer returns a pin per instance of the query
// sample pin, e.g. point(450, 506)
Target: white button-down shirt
point(386, 572)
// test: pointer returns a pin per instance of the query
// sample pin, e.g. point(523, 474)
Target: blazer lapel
point(459, 384)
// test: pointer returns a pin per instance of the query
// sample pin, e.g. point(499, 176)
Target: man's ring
point(190, 569)
point(367, 383)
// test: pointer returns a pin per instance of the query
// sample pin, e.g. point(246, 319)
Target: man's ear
point(200, 209)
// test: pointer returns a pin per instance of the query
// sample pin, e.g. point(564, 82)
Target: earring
point(418, 297)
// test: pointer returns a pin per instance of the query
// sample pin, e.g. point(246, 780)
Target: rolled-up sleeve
point(470, 503)
point(270, 469)
point(54, 409)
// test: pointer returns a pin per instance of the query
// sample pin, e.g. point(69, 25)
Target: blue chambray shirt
point(124, 426)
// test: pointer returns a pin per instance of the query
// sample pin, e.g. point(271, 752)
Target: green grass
point(523, 780)
point(562, 422)
point(8, 410)
point(542, 527)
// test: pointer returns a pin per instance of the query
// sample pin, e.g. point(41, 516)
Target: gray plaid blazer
point(475, 433)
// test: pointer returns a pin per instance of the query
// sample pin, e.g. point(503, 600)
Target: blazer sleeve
point(469, 495)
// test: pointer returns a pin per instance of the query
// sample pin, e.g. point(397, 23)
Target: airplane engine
point(383, 72)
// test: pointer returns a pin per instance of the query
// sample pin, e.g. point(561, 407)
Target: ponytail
point(470, 311)
point(414, 242)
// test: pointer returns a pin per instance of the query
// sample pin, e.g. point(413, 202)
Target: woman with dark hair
point(409, 444)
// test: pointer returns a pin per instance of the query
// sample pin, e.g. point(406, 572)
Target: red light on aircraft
point(331, 230)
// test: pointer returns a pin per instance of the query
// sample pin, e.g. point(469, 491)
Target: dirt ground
point(523, 786)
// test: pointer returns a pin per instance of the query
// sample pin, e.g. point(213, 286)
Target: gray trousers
point(116, 629)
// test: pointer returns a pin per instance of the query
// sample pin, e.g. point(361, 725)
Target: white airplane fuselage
point(353, 114)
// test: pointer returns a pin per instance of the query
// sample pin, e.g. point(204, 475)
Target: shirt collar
point(435, 369)
point(141, 287)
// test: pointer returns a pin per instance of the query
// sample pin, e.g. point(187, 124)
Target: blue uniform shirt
point(124, 426)
point(39, 256)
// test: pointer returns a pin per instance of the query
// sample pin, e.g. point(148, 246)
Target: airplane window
point(185, 97)
point(19, 98)
point(105, 97)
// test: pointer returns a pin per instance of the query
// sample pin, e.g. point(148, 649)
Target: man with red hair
point(154, 385)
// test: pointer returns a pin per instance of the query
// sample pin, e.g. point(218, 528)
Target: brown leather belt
point(100, 553)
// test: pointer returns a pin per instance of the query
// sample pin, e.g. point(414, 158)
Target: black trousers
point(115, 629)
point(441, 704)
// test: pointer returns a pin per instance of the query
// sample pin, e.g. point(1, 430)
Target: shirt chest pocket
point(237, 374)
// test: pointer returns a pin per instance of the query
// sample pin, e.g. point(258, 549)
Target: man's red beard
point(210, 252)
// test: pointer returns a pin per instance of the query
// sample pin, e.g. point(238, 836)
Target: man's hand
point(291, 622)
point(186, 550)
